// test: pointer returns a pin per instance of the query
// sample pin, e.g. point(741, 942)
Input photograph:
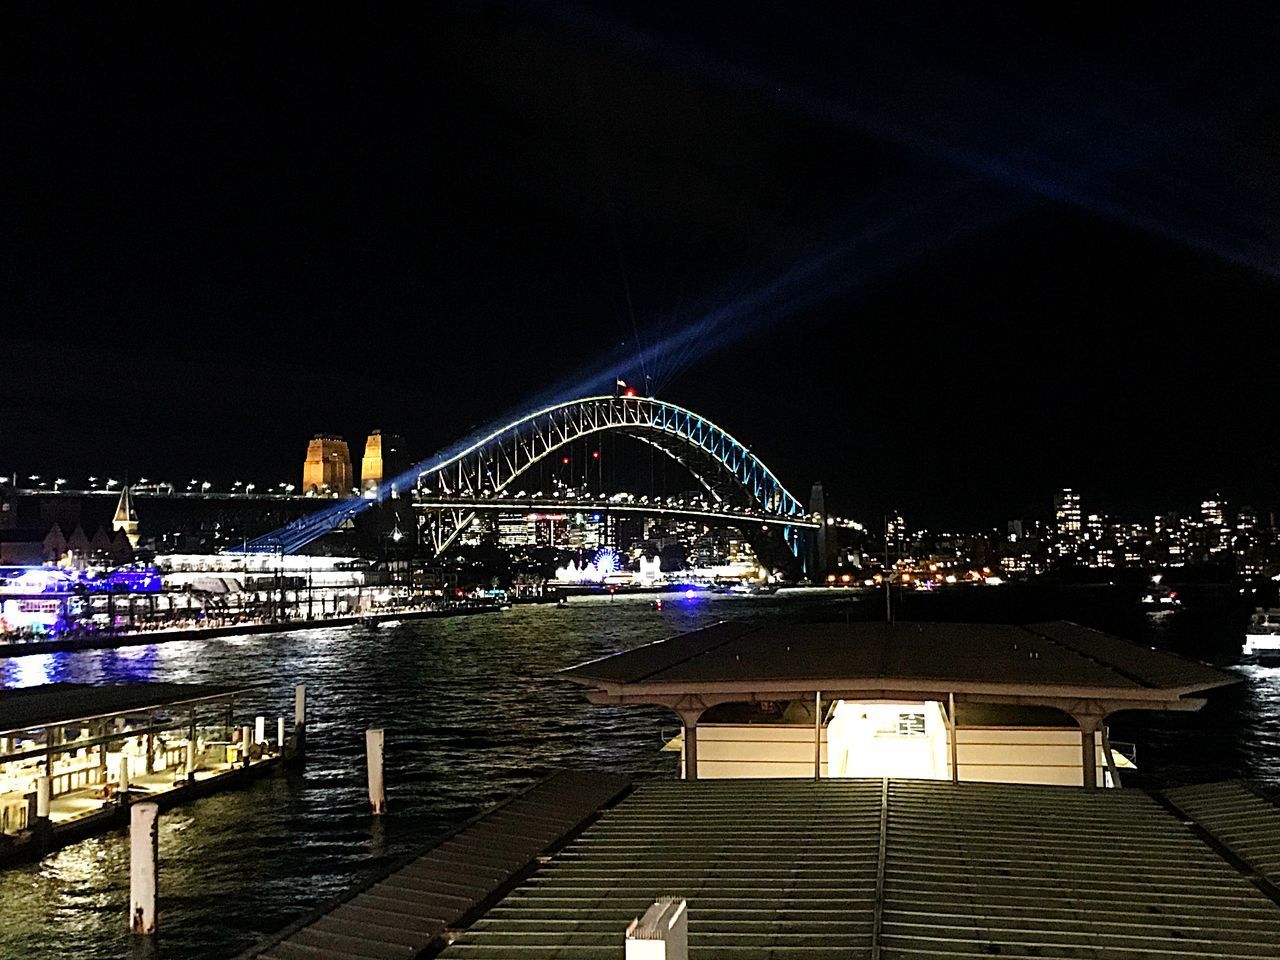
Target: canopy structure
point(31, 708)
point(1084, 673)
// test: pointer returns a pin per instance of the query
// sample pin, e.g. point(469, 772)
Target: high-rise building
point(327, 469)
point(1213, 520)
point(1069, 527)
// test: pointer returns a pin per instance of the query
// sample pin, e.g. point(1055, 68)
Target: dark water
point(473, 711)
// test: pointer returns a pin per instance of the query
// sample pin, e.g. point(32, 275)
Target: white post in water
point(662, 933)
point(300, 717)
point(260, 730)
point(144, 850)
point(44, 797)
point(280, 733)
point(123, 784)
point(246, 738)
point(373, 744)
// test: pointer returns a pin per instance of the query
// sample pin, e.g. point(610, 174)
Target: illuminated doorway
point(888, 740)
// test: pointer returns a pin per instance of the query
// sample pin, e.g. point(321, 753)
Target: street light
point(249, 487)
point(204, 487)
point(112, 483)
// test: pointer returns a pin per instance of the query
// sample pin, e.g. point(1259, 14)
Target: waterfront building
point(97, 747)
point(327, 469)
point(965, 702)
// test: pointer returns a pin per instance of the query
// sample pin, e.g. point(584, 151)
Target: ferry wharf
point(107, 640)
point(792, 869)
point(75, 757)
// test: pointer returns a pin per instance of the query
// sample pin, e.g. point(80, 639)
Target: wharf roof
point(26, 708)
point(1059, 658)
point(409, 909)
point(781, 869)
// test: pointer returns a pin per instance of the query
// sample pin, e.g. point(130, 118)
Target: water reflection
point(473, 711)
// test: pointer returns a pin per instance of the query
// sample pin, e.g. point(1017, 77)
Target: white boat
point(1262, 639)
point(391, 623)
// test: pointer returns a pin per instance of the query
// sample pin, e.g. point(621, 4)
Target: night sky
point(946, 258)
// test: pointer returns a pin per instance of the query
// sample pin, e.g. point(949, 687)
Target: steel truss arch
point(726, 468)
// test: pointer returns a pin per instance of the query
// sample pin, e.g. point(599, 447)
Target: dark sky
point(954, 255)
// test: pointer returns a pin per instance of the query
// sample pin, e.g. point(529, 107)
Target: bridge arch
point(725, 467)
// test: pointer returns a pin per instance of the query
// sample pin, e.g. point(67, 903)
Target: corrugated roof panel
point(792, 868)
point(946, 654)
point(1152, 668)
point(26, 708)
point(992, 870)
point(405, 912)
point(770, 869)
point(1246, 823)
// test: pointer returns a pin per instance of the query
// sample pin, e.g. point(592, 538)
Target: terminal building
point(935, 701)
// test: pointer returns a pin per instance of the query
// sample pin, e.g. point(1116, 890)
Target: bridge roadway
point(719, 512)
point(169, 493)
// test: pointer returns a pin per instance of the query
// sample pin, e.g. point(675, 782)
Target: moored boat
point(1262, 639)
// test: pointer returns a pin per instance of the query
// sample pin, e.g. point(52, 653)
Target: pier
point(75, 757)
point(107, 640)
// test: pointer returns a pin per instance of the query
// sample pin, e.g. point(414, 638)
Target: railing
point(1125, 749)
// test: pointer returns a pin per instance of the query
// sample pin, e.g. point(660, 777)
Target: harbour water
point(473, 711)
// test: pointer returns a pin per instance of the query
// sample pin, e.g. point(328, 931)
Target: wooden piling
point(44, 797)
point(300, 719)
point(374, 742)
point(144, 863)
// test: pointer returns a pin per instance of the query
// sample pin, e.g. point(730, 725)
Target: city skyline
point(880, 286)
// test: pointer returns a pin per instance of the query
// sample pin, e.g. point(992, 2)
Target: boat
point(1159, 599)
point(391, 623)
point(1262, 639)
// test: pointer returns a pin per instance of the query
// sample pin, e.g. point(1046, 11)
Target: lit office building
point(1068, 524)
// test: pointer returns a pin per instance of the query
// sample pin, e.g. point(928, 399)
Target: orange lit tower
point(327, 470)
point(383, 460)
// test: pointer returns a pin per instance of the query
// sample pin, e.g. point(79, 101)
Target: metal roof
point(1244, 822)
point(406, 911)
point(958, 657)
point(780, 869)
point(27, 708)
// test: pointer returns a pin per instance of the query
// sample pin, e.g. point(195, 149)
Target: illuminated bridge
point(735, 482)
point(488, 473)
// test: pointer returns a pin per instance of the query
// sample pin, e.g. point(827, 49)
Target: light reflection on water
point(473, 711)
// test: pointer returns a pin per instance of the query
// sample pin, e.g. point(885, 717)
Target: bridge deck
point(410, 909)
